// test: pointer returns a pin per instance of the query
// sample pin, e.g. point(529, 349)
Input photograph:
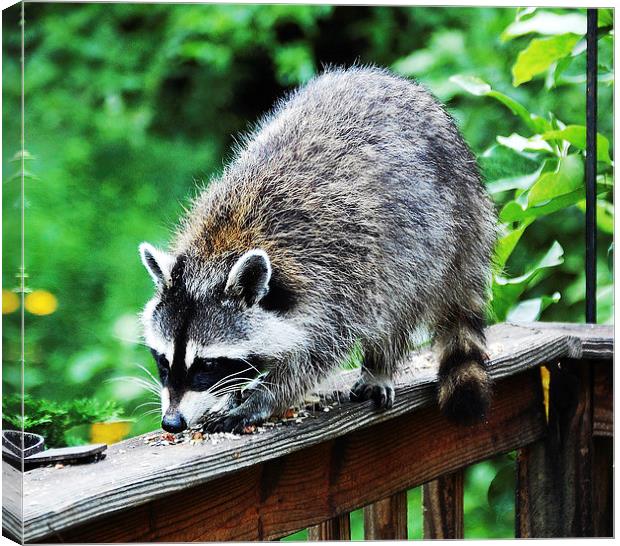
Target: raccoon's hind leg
point(375, 382)
point(464, 386)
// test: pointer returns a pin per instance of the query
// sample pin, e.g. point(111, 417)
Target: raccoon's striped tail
point(464, 391)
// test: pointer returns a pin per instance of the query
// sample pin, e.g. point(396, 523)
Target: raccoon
point(353, 215)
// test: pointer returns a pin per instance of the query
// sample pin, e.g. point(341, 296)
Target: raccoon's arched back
point(365, 198)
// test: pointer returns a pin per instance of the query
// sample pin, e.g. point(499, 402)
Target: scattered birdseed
point(311, 407)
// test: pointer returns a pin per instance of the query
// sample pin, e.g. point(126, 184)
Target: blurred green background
point(127, 107)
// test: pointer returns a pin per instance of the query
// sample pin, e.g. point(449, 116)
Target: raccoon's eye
point(220, 374)
point(162, 365)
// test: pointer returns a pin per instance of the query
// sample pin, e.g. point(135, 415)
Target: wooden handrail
point(267, 485)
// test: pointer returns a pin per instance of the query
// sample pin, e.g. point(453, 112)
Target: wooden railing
point(313, 474)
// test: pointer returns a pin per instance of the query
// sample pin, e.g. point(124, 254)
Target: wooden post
point(554, 476)
point(338, 528)
point(443, 507)
point(602, 479)
point(387, 519)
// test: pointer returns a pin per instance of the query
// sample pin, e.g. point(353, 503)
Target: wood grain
point(442, 502)
point(304, 488)
point(586, 341)
point(386, 519)
point(603, 479)
point(338, 528)
point(134, 474)
point(554, 495)
point(12, 492)
point(603, 398)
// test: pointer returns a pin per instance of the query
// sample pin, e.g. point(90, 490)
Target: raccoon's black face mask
point(189, 393)
point(207, 347)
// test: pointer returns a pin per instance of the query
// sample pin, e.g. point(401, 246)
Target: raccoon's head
point(210, 330)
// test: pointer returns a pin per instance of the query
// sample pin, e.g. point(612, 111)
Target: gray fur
point(370, 207)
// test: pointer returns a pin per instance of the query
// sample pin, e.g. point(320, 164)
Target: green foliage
point(53, 419)
point(540, 55)
point(555, 183)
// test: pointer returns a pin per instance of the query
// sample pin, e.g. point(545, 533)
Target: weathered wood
point(134, 474)
point(589, 341)
point(338, 528)
point(554, 476)
point(307, 487)
point(602, 479)
point(442, 502)
point(12, 491)
point(603, 399)
point(386, 519)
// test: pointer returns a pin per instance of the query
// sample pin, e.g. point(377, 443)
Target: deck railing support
point(443, 507)
point(338, 528)
point(387, 519)
point(554, 476)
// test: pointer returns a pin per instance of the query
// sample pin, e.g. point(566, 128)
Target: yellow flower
point(10, 302)
point(41, 302)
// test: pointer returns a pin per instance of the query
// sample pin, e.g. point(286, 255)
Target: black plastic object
point(18, 446)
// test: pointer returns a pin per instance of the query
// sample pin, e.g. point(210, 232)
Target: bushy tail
point(464, 391)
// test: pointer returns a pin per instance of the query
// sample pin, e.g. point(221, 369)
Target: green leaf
point(576, 135)
point(553, 257)
point(567, 178)
point(523, 182)
point(520, 143)
point(507, 291)
point(480, 88)
point(540, 54)
point(530, 310)
point(472, 84)
point(514, 212)
point(605, 17)
point(547, 24)
point(603, 181)
point(524, 13)
point(507, 243)
point(604, 215)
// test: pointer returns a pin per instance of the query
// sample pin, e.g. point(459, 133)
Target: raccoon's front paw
point(237, 424)
point(380, 391)
point(254, 411)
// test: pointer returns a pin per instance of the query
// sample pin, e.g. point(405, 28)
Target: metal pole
point(591, 99)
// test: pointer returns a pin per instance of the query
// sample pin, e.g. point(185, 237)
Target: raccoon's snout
point(173, 422)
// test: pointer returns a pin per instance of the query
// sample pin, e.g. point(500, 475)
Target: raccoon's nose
point(173, 422)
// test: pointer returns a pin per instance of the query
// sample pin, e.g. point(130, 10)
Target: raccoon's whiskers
point(146, 404)
point(155, 380)
point(147, 413)
point(143, 383)
point(227, 378)
point(250, 365)
point(224, 389)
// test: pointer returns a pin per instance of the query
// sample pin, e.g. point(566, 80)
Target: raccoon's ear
point(249, 277)
point(157, 262)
